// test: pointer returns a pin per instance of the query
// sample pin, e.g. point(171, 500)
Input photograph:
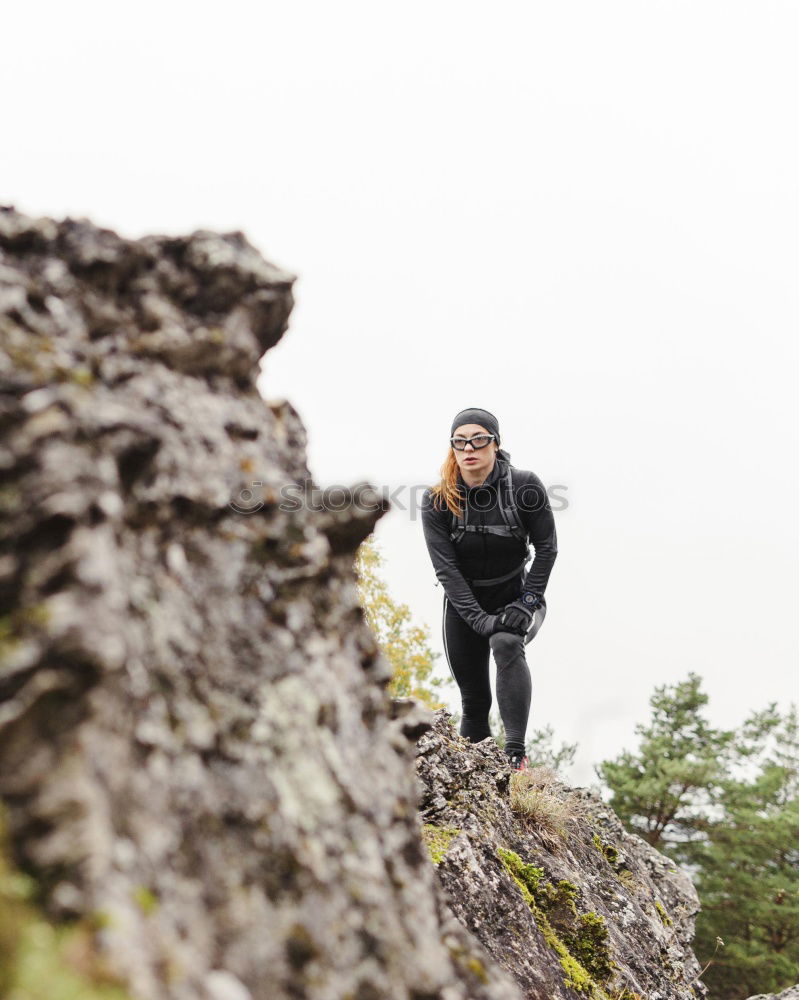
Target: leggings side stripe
point(444, 634)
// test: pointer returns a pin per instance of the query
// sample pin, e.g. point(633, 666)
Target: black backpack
point(513, 526)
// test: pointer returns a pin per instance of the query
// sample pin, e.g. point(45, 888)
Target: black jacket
point(484, 556)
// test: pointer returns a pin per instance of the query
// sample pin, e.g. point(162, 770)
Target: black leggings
point(467, 655)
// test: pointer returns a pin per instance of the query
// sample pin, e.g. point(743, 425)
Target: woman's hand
point(515, 617)
point(487, 625)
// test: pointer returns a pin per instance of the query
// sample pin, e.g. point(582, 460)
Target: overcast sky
point(582, 216)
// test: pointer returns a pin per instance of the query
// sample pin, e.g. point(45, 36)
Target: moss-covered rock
point(437, 840)
point(570, 914)
point(580, 940)
point(608, 851)
point(43, 961)
point(664, 917)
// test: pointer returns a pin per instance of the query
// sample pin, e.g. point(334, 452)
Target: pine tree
point(748, 872)
point(405, 645)
point(663, 791)
point(726, 804)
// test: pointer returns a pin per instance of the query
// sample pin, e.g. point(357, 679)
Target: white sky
point(580, 216)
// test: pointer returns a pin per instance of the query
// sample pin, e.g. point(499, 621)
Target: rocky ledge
point(549, 882)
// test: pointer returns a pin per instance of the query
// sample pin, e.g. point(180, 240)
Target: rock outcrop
point(549, 881)
point(789, 994)
point(197, 754)
point(199, 761)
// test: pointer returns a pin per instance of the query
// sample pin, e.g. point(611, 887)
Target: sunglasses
point(478, 441)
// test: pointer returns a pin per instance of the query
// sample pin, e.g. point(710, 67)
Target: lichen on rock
point(438, 839)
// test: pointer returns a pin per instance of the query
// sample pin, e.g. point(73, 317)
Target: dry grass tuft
point(537, 795)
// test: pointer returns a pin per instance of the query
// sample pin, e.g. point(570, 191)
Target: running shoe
point(518, 762)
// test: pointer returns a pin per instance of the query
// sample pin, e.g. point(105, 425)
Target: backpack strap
point(512, 526)
point(508, 508)
point(458, 524)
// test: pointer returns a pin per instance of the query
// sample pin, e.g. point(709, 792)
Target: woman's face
point(478, 462)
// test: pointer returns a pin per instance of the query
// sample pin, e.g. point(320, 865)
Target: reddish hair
point(447, 492)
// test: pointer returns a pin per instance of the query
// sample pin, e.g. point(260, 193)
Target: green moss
point(58, 964)
point(476, 966)
point(563, 894)
point(589, 944)
point(467, 961)
point(527, 877)
point(579, 940)
point(609, 852)
point(146, 899)
point(613, 857)
point(80, 375)
point(100, 920)
point(23, 618)
point(437, 840)
point(42, 961)
point(664, 917)
point(14, 626)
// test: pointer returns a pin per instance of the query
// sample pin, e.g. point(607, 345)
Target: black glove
point(515, 618)
point(518, 615)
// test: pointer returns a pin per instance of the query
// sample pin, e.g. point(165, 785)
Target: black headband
point(475, 415)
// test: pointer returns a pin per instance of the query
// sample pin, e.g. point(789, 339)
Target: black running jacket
point(485, 556)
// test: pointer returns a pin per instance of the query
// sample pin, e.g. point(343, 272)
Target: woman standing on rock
point(477, 522)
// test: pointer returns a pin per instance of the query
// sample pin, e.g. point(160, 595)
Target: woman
point(478, 545)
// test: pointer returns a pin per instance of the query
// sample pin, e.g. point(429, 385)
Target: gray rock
point(790, 994)
point(199, 759)
point(197, 750)
point(605, 911)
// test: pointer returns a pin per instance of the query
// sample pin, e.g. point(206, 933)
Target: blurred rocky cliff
point(789, 994)
point(200, 767)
